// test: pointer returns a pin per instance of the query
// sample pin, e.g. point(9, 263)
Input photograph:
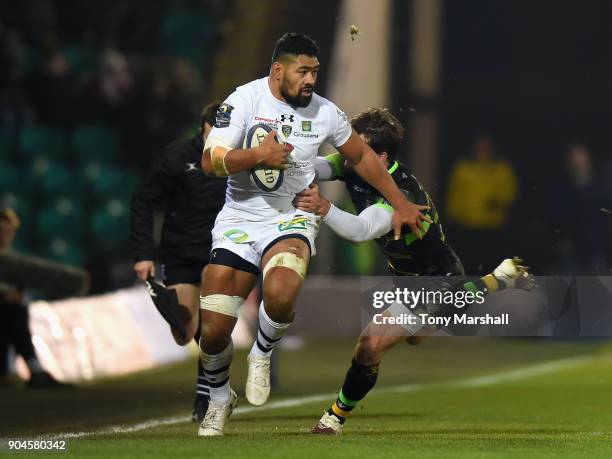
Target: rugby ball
point(262, 178)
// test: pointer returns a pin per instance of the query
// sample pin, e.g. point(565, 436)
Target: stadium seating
point(95, 144)
point(109, 181)
point(62, 250)
point(43, 141)
point(6, 144)
point(10, 178)
point(184, 34)
point(62, 218)
point(109, 223)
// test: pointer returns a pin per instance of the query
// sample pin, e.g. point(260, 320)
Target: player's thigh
point(226, 280)
point(284, 266)
point(222, 284)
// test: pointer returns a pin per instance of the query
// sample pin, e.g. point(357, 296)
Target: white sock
point(269, 334)
point(220, 395)
point(216, 373)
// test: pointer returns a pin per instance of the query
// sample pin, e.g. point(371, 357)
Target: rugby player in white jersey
point(266, 137)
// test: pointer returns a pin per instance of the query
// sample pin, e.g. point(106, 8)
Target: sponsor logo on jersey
point(289, 118)
point(191, 167)
point(298, 168)
point(341, 114)
point(224, 115)
point(267, 121)
point(286, 130)
point(306, 135)
point(237, 236)
point(296, 223)
point(306, 126)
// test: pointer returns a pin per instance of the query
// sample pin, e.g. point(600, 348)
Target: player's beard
point(296, 101)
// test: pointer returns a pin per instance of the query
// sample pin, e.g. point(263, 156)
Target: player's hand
point(311, 201)
point(144, 269)
point(273, 154)
point(410, 214)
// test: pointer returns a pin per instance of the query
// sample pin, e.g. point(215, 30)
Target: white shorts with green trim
point(251, 239)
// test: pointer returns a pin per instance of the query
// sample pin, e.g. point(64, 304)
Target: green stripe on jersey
point(411, 237)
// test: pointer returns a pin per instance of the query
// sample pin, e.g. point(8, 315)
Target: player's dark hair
point(209, 114)
point(294, 44)
point(382, 131)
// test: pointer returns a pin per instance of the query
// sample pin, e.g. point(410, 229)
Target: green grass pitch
point(447, 398)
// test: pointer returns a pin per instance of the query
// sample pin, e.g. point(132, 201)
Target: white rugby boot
point(216, 415)
point(328, 425)
point(514, 274)
point(258, 380)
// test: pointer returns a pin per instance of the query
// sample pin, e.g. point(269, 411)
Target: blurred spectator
point(51, 90)
point(577, 214)
point(110, 93)
point(480, 194)
point(14, 323)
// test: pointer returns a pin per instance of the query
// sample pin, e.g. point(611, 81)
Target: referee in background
point(193, 201)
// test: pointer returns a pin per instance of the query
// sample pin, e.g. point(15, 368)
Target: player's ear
point(277, 70)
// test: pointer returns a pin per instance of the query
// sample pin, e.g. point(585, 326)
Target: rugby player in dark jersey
point(425, 254)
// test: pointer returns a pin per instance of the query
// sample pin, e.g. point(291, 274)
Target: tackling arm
point(372, 223)
point(372, 170)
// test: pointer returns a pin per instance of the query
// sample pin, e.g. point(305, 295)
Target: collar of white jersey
point(282, 105)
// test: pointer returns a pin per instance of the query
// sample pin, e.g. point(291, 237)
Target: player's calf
point(284, 270)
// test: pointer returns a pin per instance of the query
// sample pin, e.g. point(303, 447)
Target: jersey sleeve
point(341, 128)
point(231, 120)
point(372, 223)
point(330, 167)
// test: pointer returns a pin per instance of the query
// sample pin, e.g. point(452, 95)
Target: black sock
point(359, 380)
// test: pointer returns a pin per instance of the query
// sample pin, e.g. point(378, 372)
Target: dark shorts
point(185, 273)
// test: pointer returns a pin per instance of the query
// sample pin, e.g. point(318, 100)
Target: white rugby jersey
point(304, 128)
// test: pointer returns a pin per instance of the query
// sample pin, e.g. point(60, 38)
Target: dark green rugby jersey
point(431, 255)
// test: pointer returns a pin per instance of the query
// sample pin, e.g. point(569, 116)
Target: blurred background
point(507, 106)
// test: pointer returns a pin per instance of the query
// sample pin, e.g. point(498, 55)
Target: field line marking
point(479, 381)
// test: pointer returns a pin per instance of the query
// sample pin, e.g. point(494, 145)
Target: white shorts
point(250, 239)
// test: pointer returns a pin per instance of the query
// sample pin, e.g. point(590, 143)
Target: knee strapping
point(222, 304)
point(287, 260)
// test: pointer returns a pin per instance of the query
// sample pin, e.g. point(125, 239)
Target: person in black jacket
point(192, 203)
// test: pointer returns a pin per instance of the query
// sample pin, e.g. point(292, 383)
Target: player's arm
point(330, 167)
point(155, 187)
point(372, 223)
point(371, 169)
point(223, 154)
point(220, 159)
